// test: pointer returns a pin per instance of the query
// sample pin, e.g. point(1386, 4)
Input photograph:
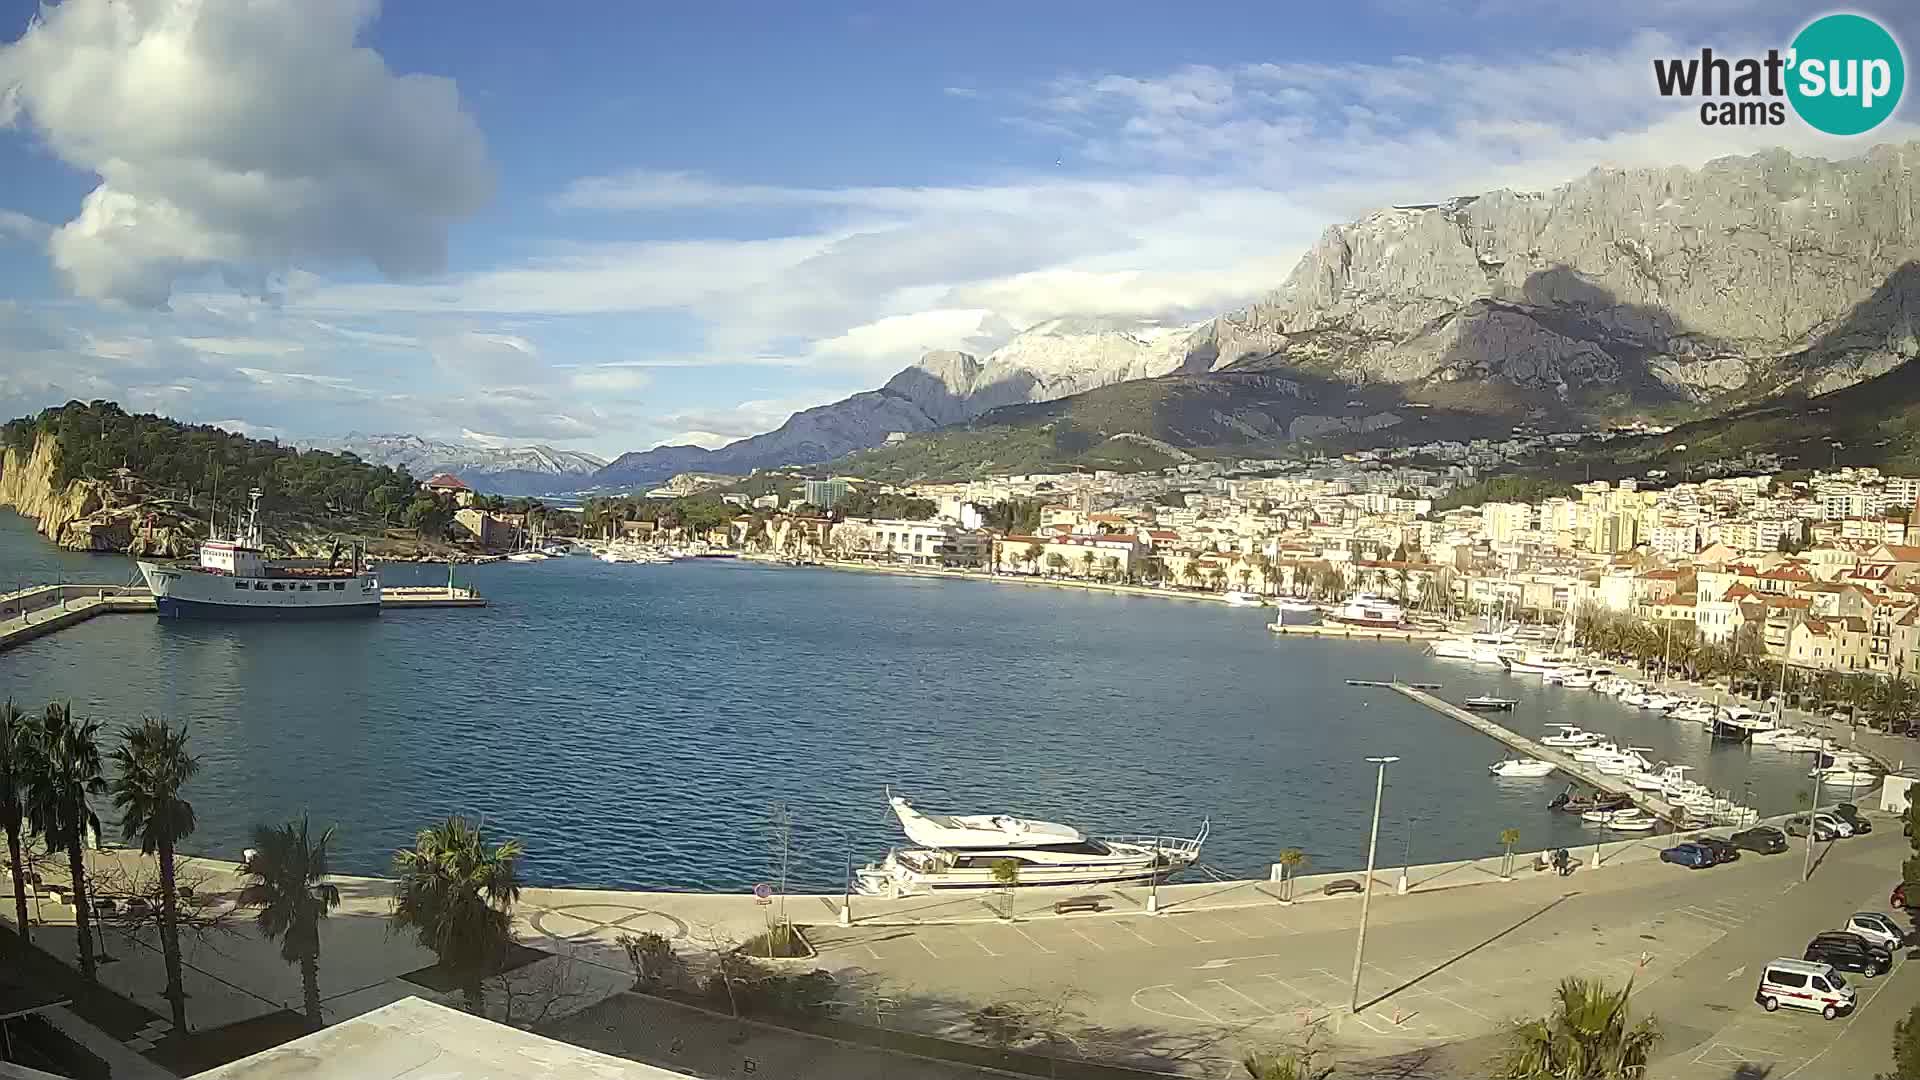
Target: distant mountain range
point(1052, 360)
point(1674, 293)
point(514, 470)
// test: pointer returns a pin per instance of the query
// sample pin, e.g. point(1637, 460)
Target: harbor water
point(636, 725)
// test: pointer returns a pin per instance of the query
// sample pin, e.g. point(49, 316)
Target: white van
point(1803, 984)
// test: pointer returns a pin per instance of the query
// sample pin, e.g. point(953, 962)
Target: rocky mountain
point(1623, 288)
point(1731, 289)
point(513, 470)
point(1051, 360)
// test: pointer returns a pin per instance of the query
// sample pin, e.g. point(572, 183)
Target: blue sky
point(617, 225)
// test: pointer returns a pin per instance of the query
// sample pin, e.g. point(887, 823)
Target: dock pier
point(1579, 770)
point(43, 609)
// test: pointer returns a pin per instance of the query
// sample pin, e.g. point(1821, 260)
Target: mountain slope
point(515, 470)
point(1668, 292)
point(1048, 361)
point(1622, 288)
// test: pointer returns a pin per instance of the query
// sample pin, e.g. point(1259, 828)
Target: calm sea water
point(634, 725)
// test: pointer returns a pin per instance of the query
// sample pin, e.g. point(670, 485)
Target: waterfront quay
point(1454, 950)
point(27, 614)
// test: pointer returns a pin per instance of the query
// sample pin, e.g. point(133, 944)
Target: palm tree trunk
point(310, 985)
point(15, 867)
point(82, 908)
point(170, 936)
point(476, 998)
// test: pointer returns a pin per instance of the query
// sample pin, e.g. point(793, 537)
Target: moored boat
point(961, 852)
point(1521, 768)
point(1490, 703)
point(235, 580)
point(1366, 609)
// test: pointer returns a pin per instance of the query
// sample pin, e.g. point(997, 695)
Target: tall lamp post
point(1366, 894)
point(1813, 810)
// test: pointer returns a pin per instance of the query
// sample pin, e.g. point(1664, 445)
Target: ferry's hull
point(192, 594)
point(174, 608)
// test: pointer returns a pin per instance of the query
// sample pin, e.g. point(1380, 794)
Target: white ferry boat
point(960, 852)
point(234, 580)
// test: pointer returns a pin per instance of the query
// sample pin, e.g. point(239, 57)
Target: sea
point(652, 726)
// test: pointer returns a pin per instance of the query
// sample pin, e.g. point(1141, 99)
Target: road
point(1193, 990)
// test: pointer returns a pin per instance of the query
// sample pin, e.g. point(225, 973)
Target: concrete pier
point(1579, 770)
point(38, 611)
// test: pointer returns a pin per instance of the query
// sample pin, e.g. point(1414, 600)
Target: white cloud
point(18, 227)
point(238, 138)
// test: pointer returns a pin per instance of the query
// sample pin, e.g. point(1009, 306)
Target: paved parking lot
point(1440, 968)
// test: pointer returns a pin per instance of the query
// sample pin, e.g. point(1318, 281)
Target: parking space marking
point(1271, 917)
point(1203, 1011)
point(1220, 919)
point(1030, 937)
point(1265, 1009)
point(977, 941)
point(1088, 940)
point(918, 941)
point(1122, 925)
point(1174, 922)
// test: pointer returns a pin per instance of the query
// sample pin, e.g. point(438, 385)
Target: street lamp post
point(1812, 810)
point(1366, 894)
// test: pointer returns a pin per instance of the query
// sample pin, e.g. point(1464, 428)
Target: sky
point(613, 226)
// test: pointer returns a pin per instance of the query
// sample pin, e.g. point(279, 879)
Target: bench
point(1076, 903)
point(1344, 885)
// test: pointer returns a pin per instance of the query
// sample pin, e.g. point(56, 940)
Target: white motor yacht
point(1366, 609)
point(1797, 742)
point(1533, 663)
point(961, 851)
point(1237, 598)
point(1521, 767)
point(1848, 777)
point(1570, 736)
point(1577, 680)
point(1693, 712)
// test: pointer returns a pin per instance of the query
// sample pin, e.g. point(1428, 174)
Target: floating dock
point(1364, 633)
point(429, 596)
point(1579, 770)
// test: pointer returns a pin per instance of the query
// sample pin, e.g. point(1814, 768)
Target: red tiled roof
point(447, 480)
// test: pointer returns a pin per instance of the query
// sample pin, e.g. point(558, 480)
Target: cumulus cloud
point(18, 227)
point(238, 138)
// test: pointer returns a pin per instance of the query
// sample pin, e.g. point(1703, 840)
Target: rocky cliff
point(1738, 279)
point(84, 515)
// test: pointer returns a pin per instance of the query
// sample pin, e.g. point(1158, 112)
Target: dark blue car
point(1692, 856)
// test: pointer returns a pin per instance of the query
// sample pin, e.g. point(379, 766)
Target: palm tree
point(457, 894)
point(1587, 1037)
point(15, 751)
point(1086, 564)
point(66, 771)
point(154, 765)
point(284, 883)
point(1290, 860)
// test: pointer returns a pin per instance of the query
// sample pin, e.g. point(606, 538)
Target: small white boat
point(1521, 767)
point(1243, 599)
point(526, 556)
point(1796, 742)
point(1570, 736)
point(1630, 819)
point(1490, 703)
point(1577, 680)
point(1848, 776)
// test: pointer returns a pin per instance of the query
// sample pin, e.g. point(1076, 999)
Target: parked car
point(1691, 856)
point(1850, 814)
point(1764, 839)
point(1876, 928)
point(1849, 952)
point(1799, 984)
point(1825, 826)
point(1724, 850)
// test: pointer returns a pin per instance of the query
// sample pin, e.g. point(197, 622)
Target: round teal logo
point(1847, 74)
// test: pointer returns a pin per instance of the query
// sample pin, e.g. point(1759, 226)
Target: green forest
point(92, 439)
